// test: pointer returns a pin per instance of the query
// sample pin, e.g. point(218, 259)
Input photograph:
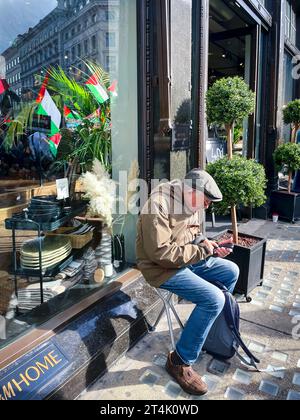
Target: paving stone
point(234, 394)
point(277, 308)
point(281, 357)
point(257, 347)
point(211, 381)
point(287, 286)
point(268, 284)
point(293, 396)
point(267, 289)
point(173, 389)
point(242, 377)
point(296, 379)
point(262, 296)
point(269, 388)
point(276, 371)
point(293, 313)
point(218, 367)
point(257, 303)
point(284, 293)
point(160, 360)
point(280, 300)
point(149, 378)
point(288, 280)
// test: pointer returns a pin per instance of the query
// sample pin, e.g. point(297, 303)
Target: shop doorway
point(234, 51)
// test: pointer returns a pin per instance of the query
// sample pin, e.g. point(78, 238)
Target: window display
point(68, 119)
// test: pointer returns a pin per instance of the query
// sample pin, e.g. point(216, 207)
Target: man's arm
point(158, 245)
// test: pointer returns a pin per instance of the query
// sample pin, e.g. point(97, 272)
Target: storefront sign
point(24, 378)
point(215, 149)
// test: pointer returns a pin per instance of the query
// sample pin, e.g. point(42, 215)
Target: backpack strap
point(232, 325)
point(228, 312)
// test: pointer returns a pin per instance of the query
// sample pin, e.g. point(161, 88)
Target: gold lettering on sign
point(31, 375)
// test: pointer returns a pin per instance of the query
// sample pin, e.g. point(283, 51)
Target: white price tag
point(62, 186)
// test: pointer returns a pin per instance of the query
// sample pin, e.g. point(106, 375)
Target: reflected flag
point(113, 88)
point(97, 90)
point(4, 86)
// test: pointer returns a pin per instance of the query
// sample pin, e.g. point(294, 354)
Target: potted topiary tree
point(242, 182)
point(287, 203)
point(229, 101)
point(291, 115)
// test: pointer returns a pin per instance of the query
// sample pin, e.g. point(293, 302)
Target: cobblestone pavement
point(267, 326)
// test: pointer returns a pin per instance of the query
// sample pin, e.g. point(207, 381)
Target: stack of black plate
point(45, 209)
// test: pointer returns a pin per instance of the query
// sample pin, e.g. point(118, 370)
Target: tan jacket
point(164, 237)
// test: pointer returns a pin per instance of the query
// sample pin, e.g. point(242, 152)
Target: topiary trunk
point(290, 182)
point(229, 129)
point(296, 128)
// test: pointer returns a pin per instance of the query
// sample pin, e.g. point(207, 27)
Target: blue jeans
point(193, 284)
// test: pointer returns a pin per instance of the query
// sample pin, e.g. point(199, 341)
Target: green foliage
point(288, 155)
point(89, 140)
point(92, 138)
point(19, 125)
point(92, 143)
point(291, 113)
point(72, 92)
point(229, 100)
point(242, 182)
point(238, 133)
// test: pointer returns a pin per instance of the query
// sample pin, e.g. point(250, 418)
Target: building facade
point(257, 40)
point(73, 31)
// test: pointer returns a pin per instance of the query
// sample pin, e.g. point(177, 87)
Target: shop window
point(289, 91)
point(290, 22)
point(109, 114)
point(110, 38)
point(86, 46)
point(94, 42)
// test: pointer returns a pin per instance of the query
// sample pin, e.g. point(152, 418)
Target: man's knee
point(215, 303)
point(234, 268)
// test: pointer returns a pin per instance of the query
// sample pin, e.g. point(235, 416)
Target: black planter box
point(251, 262)
point(286, 204)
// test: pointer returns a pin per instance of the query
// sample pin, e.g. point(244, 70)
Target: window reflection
point(64, 36)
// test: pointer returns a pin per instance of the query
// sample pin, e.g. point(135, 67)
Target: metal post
point(41, 265)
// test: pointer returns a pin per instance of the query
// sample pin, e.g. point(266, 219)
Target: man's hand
point(223, 252)
point(210, 246)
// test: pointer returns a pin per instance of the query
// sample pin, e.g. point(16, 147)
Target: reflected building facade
point(73, 31)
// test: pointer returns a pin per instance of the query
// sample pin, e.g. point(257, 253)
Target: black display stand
point(20, 222)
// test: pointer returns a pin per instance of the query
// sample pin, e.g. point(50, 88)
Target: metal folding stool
point(167, 298)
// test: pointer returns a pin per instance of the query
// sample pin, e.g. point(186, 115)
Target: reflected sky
point(16, 16)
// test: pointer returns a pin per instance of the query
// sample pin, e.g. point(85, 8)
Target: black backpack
point(224, 339)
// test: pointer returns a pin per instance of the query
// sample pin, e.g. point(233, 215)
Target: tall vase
point(104, 253)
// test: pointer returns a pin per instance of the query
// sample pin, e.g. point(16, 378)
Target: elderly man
point(173, 255)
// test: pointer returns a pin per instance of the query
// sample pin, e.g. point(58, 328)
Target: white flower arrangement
point(100, 190)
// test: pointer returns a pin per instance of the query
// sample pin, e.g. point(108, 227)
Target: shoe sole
point(185, 389)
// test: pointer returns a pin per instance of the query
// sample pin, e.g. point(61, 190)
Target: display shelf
point(56, 269)
point(19, 222)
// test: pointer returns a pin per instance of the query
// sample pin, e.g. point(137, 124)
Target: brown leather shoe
point(187, 378)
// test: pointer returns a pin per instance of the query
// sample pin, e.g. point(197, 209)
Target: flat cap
point(201, 181)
